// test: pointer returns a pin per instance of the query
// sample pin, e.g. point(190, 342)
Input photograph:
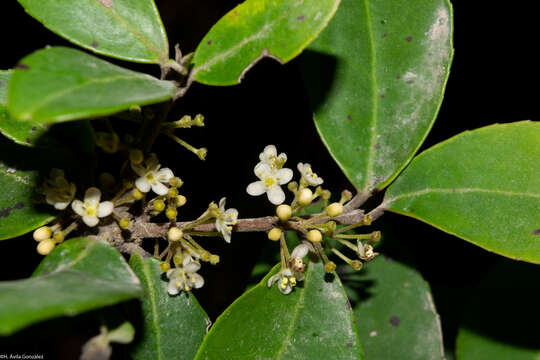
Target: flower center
point(269, 182)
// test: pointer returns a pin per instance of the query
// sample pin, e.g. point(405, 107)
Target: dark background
point(493, 79)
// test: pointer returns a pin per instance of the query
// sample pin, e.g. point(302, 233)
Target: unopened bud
point(137, 194)
point(176, 182)
point(330, 267)
point(181, 200)
point(334, 209)
point(171, 213)
point(284, 212)
point(292, 186)
point(175, 234)
point(124, 223)
point(172, 193)
point(107, 180)
point(59, 236)
point(346, 195)
point(356, 265)
point(43, 233)
point(165, 266)
point(159, 205)
point(136, 156)
point(177, 259)
point(314, 236)
point(305, 196)
point(274, 234)
point(46, 246)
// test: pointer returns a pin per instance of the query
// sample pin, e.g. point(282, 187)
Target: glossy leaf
point(20, 169)
point(256, 29)
point(482, 186)
point(173, 326)
point(125, 29)
point(314, 321)
point(376, 77)
point(79, 275)
point(396, 316)
point(502, 319)
point(59, 84)
point(31, 133)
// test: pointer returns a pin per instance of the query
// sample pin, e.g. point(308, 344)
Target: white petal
point(272, 280)
point(300, 167)
point(164, 175)
point(287, 289)
point(230, 216)
point(92, 195)
point(90, 220)
point(276, 195)
point(220, 225)
point(171, 273)
point(105, 209)
point(268, 151)
point(77, 206)
point(159, 188)
point(227, 235)
point(300, 251)
point(199, 281)
point(172, 289)
point(61, 205)
point(256, 188)
point(222, 204)
point(142, 184)
point(192, 267)
point(262, 171)
point(284, 175)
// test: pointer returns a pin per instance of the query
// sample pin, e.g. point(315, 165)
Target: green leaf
point(166, 319)
point(124, 29)
point(31, 133)
point(58, 84)
point(376, 77)
point(314, 321)
point(502, 319)
point(482, 186)
point(256, 29)
point(396, 316)
point(79, 275)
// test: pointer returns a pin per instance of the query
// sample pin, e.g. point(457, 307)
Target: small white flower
point(225, 219)
point(57, 190)
point(151, 177)
point(185, 277)
point(285, 279)
point(308, 175)
point(270, 157)
point(296, 262)
point(91, 209)
point(365, 251)
point(270, 181)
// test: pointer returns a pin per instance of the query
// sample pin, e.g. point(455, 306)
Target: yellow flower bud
point(176, 182)
point(175, 234)
point(171, 213)
point(334, 209)
point(274, 234)
point(177, 259)
point(124, 223)
point(314, 236)
point(59, 236)
point(172, 193)
point(43, 233)
point(305, 196)
point(165, 266)
point(137, 194)
point(330, 267)
point(46, 246)
point(214, 259)
point(284, 212)
point(159, 205)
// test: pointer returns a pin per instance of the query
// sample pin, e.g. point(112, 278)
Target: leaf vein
point(460, 191)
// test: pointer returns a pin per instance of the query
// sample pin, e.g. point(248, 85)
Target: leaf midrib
point(46, 100)
point(152, 300)
point(459, 191)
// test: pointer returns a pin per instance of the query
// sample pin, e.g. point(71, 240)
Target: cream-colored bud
point(175, 234)
point(46, 246)
point(59, 236)
point(274, 234)
point(284, 212)
point(334, 209)
point(43, 233)
point(314, 236)
point(181, 200)
point(305, 196)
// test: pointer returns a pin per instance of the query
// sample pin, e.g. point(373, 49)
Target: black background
point(493, 79)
